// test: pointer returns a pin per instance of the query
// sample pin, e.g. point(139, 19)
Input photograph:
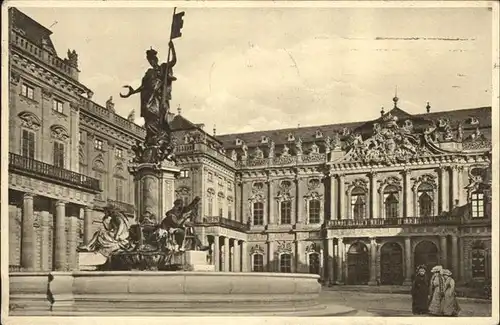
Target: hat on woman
point(436, 268)
point(446, 272)
point(421, 267)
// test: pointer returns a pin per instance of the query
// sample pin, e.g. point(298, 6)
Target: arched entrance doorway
point(358, 271)
point(391, 264)
point(426, 253)
point(314, 265)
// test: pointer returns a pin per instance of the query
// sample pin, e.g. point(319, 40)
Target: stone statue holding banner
point(156, 91)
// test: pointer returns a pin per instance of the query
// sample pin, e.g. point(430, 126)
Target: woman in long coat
point(420, 292)
point(449, 303)
point(436, 289)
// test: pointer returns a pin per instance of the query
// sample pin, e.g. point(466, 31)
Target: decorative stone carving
point(245, 151)
point(15, 77)
point(221, 195)
point(476, 141)
point(258, 187)
point(46, 93)
point(358, 182)
point(284, 247)
point(230, 198)
point(328, 144)
point(234, 155)
point(285, 152)
point(271, 149)
point(257, 249)
point(298, 146)
point(335, 142)
point(426, 178)
point(72, 58)
point(391, 180)
point(312, 248)
point(388, 144)
point(210, 192)
point(30, 120)
point(313, 184)
point(258, 153)
point(59, 132)
point(314, 149)
point(182, 192)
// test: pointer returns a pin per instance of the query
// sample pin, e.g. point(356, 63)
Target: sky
point(251, 69)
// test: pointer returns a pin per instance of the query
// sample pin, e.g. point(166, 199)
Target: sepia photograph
point(296, 159)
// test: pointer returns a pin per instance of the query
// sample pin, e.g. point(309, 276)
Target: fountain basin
point(164, 293)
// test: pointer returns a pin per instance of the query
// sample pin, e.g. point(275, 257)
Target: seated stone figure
point(176, 224)
point(112, 237)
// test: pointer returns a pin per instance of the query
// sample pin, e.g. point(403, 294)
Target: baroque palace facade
point(356, 203)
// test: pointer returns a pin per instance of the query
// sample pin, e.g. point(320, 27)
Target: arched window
point(358, 203)
point(477, 204)
point(425, 200)
point(286, 212)
point(391, 202)
point(479, 260)
point(285, 263)
point(314, 211)
point(258, 263)
point(258, 213)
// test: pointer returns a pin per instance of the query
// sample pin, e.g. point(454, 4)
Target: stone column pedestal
point(154, 187)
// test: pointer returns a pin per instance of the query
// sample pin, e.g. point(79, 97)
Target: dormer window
point(239, 142)
point(264, 139)
point(319, 134)
point(472, 121)
point(291, 137)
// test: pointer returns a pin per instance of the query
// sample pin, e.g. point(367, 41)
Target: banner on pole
point(177, 23)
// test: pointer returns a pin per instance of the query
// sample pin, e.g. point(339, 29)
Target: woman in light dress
point(436, 290)
point(449, 304)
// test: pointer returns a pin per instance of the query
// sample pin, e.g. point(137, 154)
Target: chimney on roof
point(215, 131)
point(428, 107)
point(382, 112)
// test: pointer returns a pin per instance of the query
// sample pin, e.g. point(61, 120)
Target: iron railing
point(225, 222)
point(50, 172)
point(379, 222)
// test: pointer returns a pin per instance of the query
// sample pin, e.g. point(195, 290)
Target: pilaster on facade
point(443, 202)
point(408, 206)
point(28, 239)
point(373, 261)
point(373, 195)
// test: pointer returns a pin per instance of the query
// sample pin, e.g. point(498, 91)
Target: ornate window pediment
point(313, 184)
point(427, 179)
point(59, 132)
point(221, 195)
point(257, 187)
point(118, 170)
point(290, 137)
point(30, 120)
point(257, 249)
point(312, 248)
point(284, 247)
point(210, 192)
point(230, 198)
point(390, 181)
point(98, 163)
point(358, 183)
point(182, 191)
point(318, 134)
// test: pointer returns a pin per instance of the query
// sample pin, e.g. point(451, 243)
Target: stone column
point(373, 195)
point(44, 249)
point(454, 185)
point(333, 198)
point(373, 260)
point(60, 237)
point(28, 239)
point(270, 254)
point(461, 273)
point(460, 190)
point(408, 264)
point(237, 203)
point(342, 210)
point(87, 225)
point(300, 213)
point(443, 248)
point(454, 255)
point(72, 242)
point(244, 256)
point(442, 186)
point(227, 250)
point(408, 210)
point(330, 263)
point(236, 256)
point(340, 256)
point(216, 253)
point(271, 214)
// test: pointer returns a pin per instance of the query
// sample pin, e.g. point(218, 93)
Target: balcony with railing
point(225, 222)
point(193, 148)
point(393, 222)
point(51, 173)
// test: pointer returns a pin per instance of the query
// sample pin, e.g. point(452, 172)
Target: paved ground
point(384, 304)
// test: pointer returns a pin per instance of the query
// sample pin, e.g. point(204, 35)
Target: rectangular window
point(286, 263)
point(314, 211)
point(27, 91)
point(258, 214)
point(59, 154)
point(210, 206)
point(98, 144)
point(229, 211)
point(286, 212)
point(28, 144)
point(118, 153)
point(57, 106)
point(119, 190)
point(477, 205)
point(184, 173)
